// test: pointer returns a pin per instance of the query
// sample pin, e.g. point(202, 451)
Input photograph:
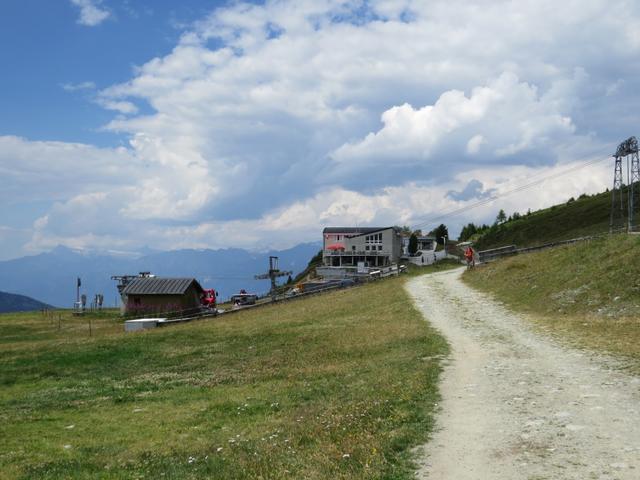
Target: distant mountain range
point(51, 277)
point(10, 302)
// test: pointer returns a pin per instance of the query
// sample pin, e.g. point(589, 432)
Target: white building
point(426, 253)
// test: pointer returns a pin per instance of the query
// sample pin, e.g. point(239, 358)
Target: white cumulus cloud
point(267, 121)
point(91, 12)
point(511, 115)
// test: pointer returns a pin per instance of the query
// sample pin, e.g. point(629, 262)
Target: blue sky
point(46, 49)
point(200, 124)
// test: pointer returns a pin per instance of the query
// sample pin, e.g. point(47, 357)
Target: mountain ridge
point(51, 276)
point(11, 302)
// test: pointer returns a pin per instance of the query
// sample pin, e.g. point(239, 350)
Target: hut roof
point(160, 286)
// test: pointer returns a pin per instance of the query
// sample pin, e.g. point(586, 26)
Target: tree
point(467, 232)
point(289, 280)
point(502, 217)
point(413, 244)
point(439, 232)
point(405, 231)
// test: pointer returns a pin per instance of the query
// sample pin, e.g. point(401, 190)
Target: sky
point(129, 125)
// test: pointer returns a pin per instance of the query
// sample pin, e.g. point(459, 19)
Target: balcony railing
point(355, 253)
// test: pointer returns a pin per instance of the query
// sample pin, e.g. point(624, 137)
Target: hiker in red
point(468, 255)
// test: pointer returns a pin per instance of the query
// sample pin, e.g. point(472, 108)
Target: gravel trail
point(519, 405)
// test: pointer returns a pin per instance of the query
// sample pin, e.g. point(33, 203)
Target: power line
point(496, 196)
point(227, 278)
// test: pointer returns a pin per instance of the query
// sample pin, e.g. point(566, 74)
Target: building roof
point(160, 286)
point(353, 230)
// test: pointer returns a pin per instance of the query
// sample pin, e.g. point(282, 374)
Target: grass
point(583, 217)
point(587, 293)
point(342, 385)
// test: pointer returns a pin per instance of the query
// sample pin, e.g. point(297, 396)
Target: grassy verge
point(587, 293)
point(337, 386)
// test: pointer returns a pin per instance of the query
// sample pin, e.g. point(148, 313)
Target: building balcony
point(355, 253)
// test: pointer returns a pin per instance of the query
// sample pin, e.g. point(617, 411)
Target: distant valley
point(51, 277)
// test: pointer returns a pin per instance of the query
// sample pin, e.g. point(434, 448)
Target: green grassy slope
point(582, 217)
point(589, 292)
point(337, 386)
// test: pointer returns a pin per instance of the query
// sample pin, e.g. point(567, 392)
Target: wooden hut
point(146, 295)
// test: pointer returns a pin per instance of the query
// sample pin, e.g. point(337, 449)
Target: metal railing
point(194, 312)
point(485, 256)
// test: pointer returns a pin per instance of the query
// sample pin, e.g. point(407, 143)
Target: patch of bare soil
point(518, 405)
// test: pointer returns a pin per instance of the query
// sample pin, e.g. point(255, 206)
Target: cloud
point(473, 190)
point(266, 122)
point(91, 14)
point(510, 115)
point(74, 87)
point(474, 144)
point(93, 220)
point(119, 106)
point(49, 171)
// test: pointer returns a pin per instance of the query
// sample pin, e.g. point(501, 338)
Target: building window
point(376, 239)
point(379, 247)
point(366, 247)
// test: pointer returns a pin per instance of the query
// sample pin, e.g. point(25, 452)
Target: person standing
point(469, 256)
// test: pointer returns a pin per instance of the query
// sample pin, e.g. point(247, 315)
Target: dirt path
point(518, 405)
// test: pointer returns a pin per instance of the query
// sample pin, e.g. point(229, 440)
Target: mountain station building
point(359, 251)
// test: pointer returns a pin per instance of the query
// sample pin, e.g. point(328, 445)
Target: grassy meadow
point(338, 386)
point(587, 293)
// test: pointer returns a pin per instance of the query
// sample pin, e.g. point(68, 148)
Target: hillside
point(586, 292)
point(584, 216)
point(341, 386)
point(10, 302)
